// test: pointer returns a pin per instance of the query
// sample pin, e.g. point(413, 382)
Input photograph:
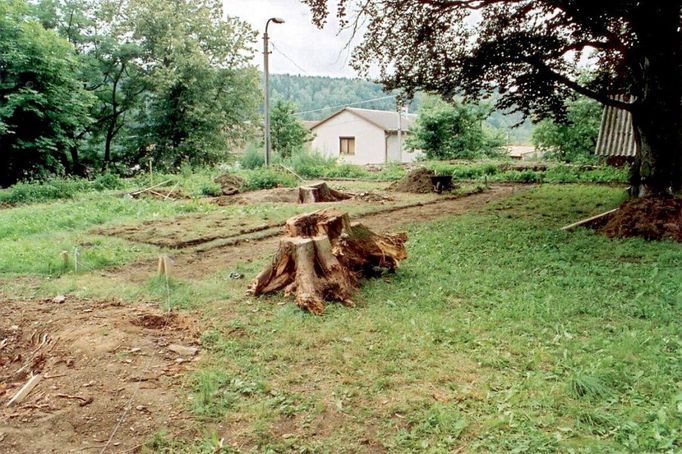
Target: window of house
point(347, 145)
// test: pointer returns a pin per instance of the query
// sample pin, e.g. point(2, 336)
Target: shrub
point(53, 189)
point(454, 131)
point(107, 181)
point(252, 158)
point(574, 139)
point(211, 190)
point(266, 178)
point(310, 164)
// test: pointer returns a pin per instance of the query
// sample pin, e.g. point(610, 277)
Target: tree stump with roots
point(320, 192)
point(324, 258)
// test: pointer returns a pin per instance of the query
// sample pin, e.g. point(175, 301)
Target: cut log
point(320, 192)
point(324, 258)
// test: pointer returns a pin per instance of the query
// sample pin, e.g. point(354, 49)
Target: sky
point(310, 51)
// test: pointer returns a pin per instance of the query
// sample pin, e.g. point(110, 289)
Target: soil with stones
point(108, 377)
point(417, 181)
point(652, 218)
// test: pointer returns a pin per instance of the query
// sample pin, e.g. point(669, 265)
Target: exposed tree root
point(324, 258)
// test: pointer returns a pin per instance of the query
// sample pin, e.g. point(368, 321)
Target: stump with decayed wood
point(324, 257)
point(320, 192)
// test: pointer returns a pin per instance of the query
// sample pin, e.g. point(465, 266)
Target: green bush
point(575, 139)
point(53, 189)
point(107, 181)
point(521, 176)
point(266, 178)
point(211, 190)
point(252, 158)
point(310, 164)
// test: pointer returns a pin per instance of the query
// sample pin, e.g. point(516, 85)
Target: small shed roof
point(616, 134)
point(384, 119)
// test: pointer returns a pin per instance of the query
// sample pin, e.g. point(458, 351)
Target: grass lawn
point(500, 333)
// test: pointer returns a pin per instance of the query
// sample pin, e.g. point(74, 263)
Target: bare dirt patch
point(652, 218)
point(100, 363)
point(193, 264)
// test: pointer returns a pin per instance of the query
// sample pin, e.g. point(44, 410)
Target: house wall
point(370, 140)
point(394, 156)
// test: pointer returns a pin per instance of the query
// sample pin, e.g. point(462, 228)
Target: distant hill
point(317, 97)
point(323, 95)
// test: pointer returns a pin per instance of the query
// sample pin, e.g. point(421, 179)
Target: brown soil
point(417, 181)
point(198, 264)
point(275, 195)
point(100, 363)
point(652, 218)
point(230, 184)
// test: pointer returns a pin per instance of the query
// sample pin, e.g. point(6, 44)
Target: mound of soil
point(417, 181)
point(230, 184)
point(652, 218)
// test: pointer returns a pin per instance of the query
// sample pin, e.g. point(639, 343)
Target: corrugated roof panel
point(616, 134)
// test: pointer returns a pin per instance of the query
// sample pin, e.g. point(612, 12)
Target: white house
point(362, 136)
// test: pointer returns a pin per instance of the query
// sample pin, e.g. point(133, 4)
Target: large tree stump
point(324, 258)
point(320, 192)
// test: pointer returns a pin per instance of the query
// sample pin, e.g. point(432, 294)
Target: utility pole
point(266, 77)
point(400, 131)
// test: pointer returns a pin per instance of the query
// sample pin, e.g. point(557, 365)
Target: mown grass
point(32, 236)
point(500, 333)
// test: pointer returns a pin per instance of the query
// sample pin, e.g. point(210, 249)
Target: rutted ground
point(108, 376)
point(193, 264)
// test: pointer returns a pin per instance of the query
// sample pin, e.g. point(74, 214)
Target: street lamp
point(266, 74)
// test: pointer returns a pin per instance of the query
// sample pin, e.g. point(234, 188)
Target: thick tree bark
point(320, 192)
point(324, 257)
point(656, 111)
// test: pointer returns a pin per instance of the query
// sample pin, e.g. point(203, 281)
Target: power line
point(346, 105)
point(275, 48)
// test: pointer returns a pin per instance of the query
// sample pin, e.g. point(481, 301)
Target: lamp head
point(277, 20)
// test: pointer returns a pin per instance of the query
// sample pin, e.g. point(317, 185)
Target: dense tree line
point(91, 84)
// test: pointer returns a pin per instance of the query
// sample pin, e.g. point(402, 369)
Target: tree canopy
point(89, 83)
point(530, 50)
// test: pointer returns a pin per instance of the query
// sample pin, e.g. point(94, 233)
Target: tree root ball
point(324, 258)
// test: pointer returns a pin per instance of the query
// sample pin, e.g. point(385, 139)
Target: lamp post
point(266, 75)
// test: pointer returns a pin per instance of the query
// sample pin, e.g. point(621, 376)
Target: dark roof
point(384, 119)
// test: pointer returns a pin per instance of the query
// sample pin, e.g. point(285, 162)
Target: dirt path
point(108, 377)
point(199, 263)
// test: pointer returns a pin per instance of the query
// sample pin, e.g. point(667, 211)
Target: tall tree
point(529, 50)
point(203, 92)
point(289, 135)
point(43, 106)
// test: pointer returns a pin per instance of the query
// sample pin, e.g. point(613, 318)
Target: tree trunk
point(324, 258)
point(656, 113)
point(320, 192)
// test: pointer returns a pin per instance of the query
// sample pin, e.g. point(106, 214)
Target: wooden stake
point(76, 260)
point(588, 220)
point(25, 390)
point(164, 266)
point(65, 259)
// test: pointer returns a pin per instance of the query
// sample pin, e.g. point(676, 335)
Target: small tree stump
point(324, 258)
point(320, 192)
